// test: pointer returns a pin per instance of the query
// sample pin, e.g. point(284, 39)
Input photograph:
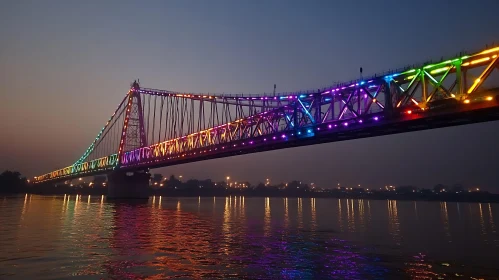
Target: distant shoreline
point(448, 197)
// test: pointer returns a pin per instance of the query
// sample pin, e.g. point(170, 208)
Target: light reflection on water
point(254, 238)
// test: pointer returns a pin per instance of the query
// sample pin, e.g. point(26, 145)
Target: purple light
point(360, 121)
point(251, 142)
point(273, 137)
point(265, 139)
point(345, 124)
point(376, 118)
point(329, 126)
point(283, 136)
point(318, 128)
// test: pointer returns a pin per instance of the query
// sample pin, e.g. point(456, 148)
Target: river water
point(56, 237)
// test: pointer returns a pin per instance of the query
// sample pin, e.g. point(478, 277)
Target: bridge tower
point(131, 184)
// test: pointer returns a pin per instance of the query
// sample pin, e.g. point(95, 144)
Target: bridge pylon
point(132, 184)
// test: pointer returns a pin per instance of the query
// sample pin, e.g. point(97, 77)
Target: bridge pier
point(128, 185)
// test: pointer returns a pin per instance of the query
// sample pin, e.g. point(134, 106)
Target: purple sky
point(65, 66)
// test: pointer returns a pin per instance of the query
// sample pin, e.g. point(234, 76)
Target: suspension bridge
point(156, 128)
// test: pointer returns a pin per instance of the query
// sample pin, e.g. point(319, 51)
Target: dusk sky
point(65, 66)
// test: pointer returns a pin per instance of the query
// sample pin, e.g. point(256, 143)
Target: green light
point(439, 70)
point(409, 71)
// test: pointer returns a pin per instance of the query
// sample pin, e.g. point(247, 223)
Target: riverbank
point(481, 197)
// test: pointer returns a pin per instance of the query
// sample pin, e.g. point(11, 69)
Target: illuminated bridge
point(156, 128)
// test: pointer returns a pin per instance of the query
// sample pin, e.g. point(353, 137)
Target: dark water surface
point(43, 237)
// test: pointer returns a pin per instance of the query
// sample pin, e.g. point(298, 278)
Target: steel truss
point(152, 127)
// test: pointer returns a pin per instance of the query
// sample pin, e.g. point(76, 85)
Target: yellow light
point(490, 50)
point(466, 101)
point(489, 98)
point(494, 56)
point(439, 70)
point(374, 100)
point(480, 60)
point(474, 85)
point(466, 64)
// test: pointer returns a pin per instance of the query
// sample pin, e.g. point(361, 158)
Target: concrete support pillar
point(128, 185)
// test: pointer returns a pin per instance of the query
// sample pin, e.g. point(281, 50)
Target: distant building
point(99, 181)
point(157, 180)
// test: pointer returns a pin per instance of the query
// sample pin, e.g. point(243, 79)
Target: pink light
point(360, 121)
point(329, 126)
point(318, 128)
point(265, 139)
point(251, 142)
point(273, 137)
point(345, 124)
point(283, 136)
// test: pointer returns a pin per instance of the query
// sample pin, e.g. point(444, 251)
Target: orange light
point(374, 100)
point(489, 98)
point(466, 101)
point(490, 50)
point(480, 60)
point(409, 112)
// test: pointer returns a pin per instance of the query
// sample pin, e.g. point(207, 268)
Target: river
point(57, 237)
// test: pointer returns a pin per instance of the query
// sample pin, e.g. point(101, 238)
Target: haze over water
point(46, 237)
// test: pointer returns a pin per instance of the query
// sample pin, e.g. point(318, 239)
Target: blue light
point(309, 131)
point(302, 96)
point(361, 83)
point(299, 133)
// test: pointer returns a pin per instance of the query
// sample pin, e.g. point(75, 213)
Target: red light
point(409, 112)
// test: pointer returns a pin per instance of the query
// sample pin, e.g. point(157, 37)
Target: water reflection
point(340, 216)
point(286, 213)
point(313, 222)
point(491, 220)
point(252, 238)
point(445, 219)
point(266, 227)
point(394, 225)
